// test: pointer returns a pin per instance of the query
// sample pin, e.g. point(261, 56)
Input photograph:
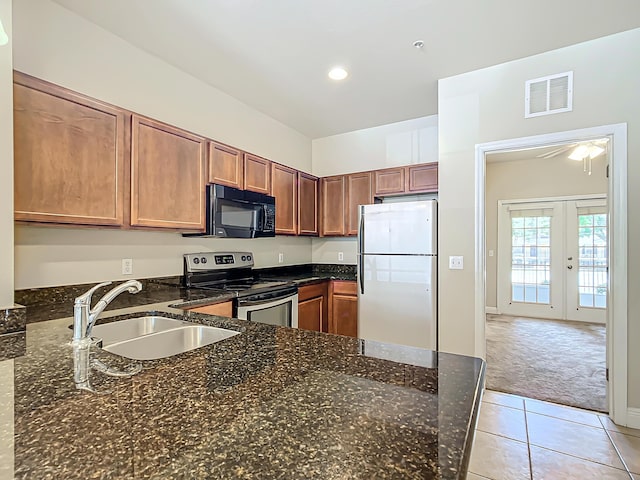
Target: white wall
point(487, 105)
point(54, 44)
point(59, 256)
point(532, 178)
point(392, 145)
point(401, 143)
point(6, 162)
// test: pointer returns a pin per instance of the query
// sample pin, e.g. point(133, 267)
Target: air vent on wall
point(547, 95)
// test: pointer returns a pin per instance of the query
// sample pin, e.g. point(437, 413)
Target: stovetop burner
point(226, 271)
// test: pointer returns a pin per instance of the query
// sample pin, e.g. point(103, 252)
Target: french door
point(553, 259)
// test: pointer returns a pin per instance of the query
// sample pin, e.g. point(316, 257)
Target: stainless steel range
point(271, 302)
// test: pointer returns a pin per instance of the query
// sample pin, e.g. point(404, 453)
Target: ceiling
point(274, 55)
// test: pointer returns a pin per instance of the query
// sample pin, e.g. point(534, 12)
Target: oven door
point(276, 308)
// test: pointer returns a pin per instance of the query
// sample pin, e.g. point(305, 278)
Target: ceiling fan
point(579, 150)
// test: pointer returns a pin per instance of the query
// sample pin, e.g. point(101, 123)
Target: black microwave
point(237, 213)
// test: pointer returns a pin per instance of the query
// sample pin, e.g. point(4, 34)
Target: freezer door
point(398, 228)
point(399, 300)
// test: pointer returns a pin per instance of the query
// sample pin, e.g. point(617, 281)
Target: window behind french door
point(552, 259)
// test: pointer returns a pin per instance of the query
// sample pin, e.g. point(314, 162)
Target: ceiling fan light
point(579, 153)
point(595, 150)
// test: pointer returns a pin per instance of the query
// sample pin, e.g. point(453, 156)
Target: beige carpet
point(552, 360)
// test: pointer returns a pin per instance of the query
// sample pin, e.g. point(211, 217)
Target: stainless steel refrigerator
point(397, 273)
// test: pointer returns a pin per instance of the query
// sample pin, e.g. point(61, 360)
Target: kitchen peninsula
point(271, 402)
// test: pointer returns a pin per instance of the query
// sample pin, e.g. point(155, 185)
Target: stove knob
point(244, 258)
point(203, 260)
point(196, 261)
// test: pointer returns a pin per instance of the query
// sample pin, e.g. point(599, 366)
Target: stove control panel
point(204, 261)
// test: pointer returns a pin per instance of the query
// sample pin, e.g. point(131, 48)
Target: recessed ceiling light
point(338, 73)
point(418, 44)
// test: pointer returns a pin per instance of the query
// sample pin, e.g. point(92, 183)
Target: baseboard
point(493, 310)
point(633, 417)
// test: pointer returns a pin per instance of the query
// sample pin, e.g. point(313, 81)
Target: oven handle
point(264, 298)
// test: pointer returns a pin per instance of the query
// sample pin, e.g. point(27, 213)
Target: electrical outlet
point(280, 257)
point(341, 256)
point(127, 266)
point(456, 262)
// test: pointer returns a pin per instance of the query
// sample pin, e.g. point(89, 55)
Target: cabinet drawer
point(345, 287)
point(224, 309)
point(310, 291)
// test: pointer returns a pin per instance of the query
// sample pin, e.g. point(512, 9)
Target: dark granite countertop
point(271, 402)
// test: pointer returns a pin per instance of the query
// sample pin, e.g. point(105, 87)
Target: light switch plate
point(340, 256)
point(456, 262)
point(280, 257)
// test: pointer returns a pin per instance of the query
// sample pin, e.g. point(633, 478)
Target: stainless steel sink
point(130, 328)
point(153, 337)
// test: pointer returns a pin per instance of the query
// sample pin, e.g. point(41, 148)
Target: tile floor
point(521, 438)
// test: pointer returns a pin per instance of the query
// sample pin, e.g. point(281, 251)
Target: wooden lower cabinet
point(224, 309)
point(313, 307)
point(343, 310)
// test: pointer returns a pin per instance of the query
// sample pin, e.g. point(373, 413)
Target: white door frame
point(617, 195)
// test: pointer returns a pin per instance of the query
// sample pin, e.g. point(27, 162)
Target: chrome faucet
point(84, 317)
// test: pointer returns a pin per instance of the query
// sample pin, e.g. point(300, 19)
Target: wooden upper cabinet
point(389, 181)
point(69, 154)
point(307, 204)
point(257, 174)
point(226, 165)
point(284, 187)
point(333, 205)
point(359, 192)
point(422, 178)
point(167, 176)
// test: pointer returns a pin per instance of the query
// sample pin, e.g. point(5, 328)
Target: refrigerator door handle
point(361, 232)
point(361, 252)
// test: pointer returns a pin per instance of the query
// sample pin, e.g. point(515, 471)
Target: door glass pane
point(592, 260)
point(530, 259)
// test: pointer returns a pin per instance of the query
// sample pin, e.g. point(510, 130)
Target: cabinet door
point(422, 178)
point(343, 316)
point(69, 156)
point(389, 181)
point(257, 174)
point(333, 206)
point(310, 314)
point(167, 176)
point(226, 165)
point(284, 188)
point(307, 204)
point(313, 306)
point(358, 193)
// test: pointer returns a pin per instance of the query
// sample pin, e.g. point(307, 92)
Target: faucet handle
point(85, 298)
